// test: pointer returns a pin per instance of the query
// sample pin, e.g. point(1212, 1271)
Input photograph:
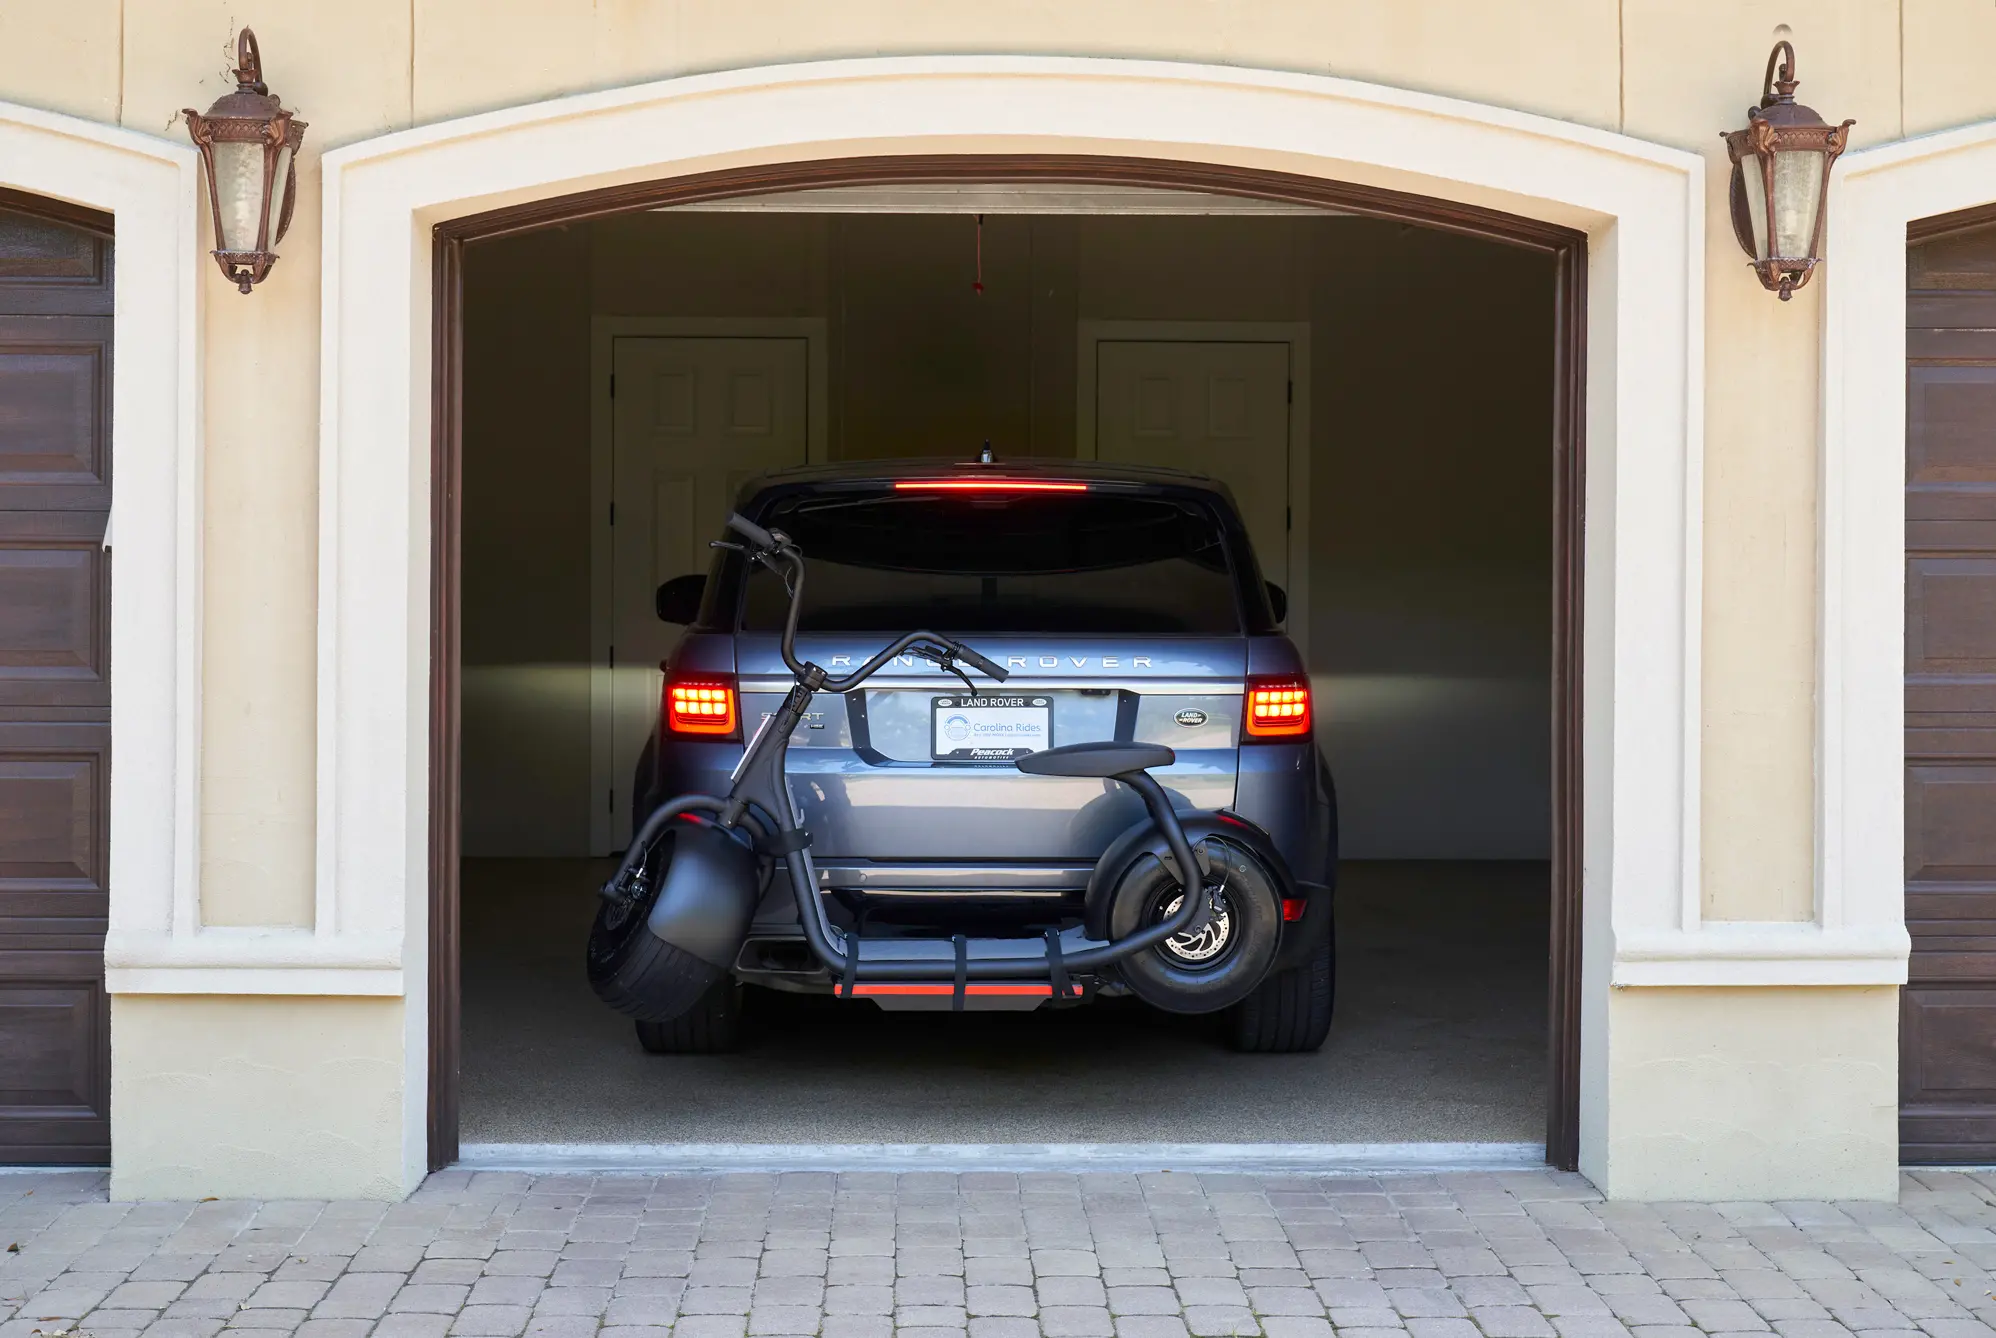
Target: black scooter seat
point(1096, 759)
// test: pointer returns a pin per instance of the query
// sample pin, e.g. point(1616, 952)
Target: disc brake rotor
point(1202, 944)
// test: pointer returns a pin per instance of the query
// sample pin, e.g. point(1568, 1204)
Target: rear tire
point(1289, 1013)
point(633, 970)
point(1216, 968)
point(713, 1026)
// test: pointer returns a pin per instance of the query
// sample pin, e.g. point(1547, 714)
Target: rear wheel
point(630, 968)
point(1212, 967)
point(713, 1026)
point(1289, 1013)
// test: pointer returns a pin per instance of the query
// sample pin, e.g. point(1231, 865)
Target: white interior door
point(1211, 407)
point(692, 419)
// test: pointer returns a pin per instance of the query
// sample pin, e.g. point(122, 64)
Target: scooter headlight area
point(1185, 910)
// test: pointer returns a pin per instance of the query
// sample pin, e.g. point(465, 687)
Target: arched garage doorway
point(1567, 249)
point(1639, 205)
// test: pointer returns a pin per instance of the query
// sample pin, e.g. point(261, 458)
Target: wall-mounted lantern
point(1781, 178)
point(249, 145)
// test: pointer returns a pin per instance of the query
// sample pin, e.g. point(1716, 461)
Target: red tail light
point(1278, 708)
point(703, 705)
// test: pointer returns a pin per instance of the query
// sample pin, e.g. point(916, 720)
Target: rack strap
point(1056, 965)
point(962, 946)
point(847, 976)
point(783, 843)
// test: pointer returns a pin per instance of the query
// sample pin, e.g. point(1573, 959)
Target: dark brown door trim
point(1567, 247)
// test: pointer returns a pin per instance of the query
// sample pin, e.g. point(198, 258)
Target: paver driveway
point(491, 1255)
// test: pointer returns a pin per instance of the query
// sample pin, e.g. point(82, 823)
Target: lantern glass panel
point(1798, 191)
point(1751, 169)
point(276, 202)
point(239, 187)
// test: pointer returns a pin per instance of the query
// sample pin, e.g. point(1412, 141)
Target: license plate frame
point(1012, 725)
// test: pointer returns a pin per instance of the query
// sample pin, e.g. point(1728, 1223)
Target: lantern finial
point(249, 65)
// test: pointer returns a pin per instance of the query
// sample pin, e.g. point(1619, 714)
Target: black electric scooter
point(677, 911)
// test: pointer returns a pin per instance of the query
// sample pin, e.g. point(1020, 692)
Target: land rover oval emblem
point(1191, 717)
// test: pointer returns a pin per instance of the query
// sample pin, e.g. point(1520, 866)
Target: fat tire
point(712, 1026)
point(1290, 1012)
point(1152, 976)
point(636, 972)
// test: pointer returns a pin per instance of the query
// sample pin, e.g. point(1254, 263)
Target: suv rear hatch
point(1118, 612)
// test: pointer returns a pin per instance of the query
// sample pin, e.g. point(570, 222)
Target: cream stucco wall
point(1752, 1094)
point(1671, 71)
point(253, 1096)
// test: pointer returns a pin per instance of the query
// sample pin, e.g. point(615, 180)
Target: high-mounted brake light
point(702, 706)
point(1278, 708)
point(985, 485)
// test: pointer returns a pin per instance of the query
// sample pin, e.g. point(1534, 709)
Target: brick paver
point(875, 1255)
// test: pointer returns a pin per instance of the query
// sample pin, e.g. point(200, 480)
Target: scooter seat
point(1096, 759)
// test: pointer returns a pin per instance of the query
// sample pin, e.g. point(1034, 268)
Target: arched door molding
point(1640, 207)
point(148, 187)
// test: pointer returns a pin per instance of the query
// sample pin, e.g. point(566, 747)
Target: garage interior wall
point(1431, 464)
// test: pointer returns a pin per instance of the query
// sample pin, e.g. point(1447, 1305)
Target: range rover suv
point(1126, 604)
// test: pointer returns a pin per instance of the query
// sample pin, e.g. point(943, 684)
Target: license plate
point(989, 728)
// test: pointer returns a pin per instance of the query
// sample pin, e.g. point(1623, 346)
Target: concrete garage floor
point(1440, 1037)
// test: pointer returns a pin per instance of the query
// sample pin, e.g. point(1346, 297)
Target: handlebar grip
point(750, 531)
point(980, 664)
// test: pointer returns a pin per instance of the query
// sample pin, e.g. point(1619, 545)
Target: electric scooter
point(677, 911)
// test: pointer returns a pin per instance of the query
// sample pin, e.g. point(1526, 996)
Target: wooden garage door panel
point(1951, 615)
point(51, 620)
point(1948, 411)
point(1950, 822)
point(50, 427)
point(54, 1068)
point(1947, 1067)
point(55, 734)
point(1953, 1055)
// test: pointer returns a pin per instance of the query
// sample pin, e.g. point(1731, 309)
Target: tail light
point(705, 706)
point(1278, 708)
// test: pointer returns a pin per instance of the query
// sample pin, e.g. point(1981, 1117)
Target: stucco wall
point(240, 1097)
point(1672, 71)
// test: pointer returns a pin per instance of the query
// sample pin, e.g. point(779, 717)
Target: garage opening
point(1380, 396)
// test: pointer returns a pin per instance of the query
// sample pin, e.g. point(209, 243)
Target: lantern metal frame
point(1780, 125)
point(250, 115)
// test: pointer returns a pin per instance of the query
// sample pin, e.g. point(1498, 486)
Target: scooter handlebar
point(982, 665)
point(750, 531)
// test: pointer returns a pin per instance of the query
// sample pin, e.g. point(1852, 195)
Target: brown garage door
point(55, 731)
point(1947, 1067)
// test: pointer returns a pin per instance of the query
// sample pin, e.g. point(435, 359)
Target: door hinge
point(613, 657)
point(613, 513)
point(1288, 518)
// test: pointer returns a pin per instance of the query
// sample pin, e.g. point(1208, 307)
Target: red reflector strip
point(1293, 908)
point(1042, 991)
point(985, 485)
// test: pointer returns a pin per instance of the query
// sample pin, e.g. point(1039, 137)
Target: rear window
point(1098, 563)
